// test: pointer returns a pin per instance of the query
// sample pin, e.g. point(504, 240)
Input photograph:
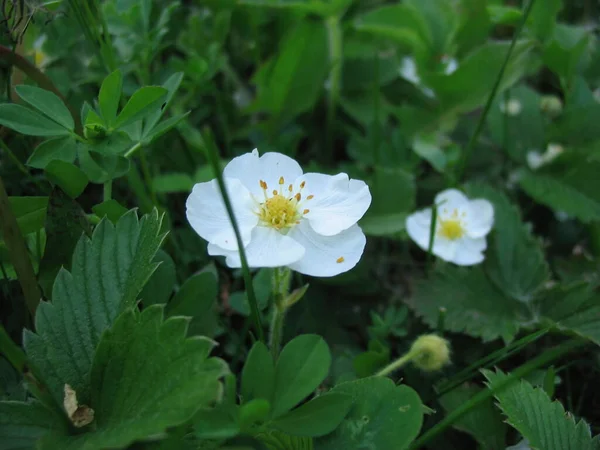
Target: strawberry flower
point(307, 222)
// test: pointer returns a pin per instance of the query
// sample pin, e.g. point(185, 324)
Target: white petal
point(480, 218)
point(267, 248)
point(205, 210)
point(445, 248)
point(327, 256)
point(338, 202)
point(469, 251)
point(418, 227)
point(449, 200)
point(251, 169)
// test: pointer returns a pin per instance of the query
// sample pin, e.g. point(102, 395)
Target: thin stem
point(432, 228)
point(11, 351)
point(335, 37)
point(17, 250)
point(281, 281)
point(133, 149)
point(14, 158)
point(469, 149)
point(107, 190)
point(147, 176)
point(213, 157)
point(400, 362)
point(493, 358)
point(484, 395)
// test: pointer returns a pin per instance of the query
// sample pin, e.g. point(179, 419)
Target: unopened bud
point(431, 352)
point(551, 105)
point(512, 107)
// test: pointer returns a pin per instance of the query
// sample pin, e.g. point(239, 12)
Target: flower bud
point(551, 105)
point(512, 107)
point(431, 352)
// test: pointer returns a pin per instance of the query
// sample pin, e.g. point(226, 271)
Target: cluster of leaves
point(400, 94)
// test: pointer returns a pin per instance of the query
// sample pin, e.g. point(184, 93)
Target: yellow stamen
point(451, 229)
point(281, 180)
point(340, 260)
point(298, 196)
point(263, 185)
point(302, 184)
point(306, 211)
point(310, 197)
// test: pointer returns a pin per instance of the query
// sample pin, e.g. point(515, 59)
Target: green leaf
point(292, 82)
point(383, 417)
point(383, 224)
point(47, 103)
point(574, 193)
point(26, 121)
point(146, 377)
point(106, 167)
point(258, 374)
point(67, 176)
point(172, 182)
point(318, 417)
point(469, 86)
point(143, 102)
point(483, 422)
point(276, 440)
point(112, 209)
point(109, 97)
point(442, 19)
point(159, 286)
point(108, 272)
point(472, 303)
point(116, 143)
point(399, 181)
point(195, 298)
point(402, 24)
point(30, 212)
point(65, 223)
point(163, 127)
point(302, 365)
point(171, 85)
point(61, 149)
point(22, 424)
point(564, 50)
point(505, 15)
point(427, 147)
point(543, 422)
point(542, 18)
point(522, 133)
point(574, 309)
point(515, 260)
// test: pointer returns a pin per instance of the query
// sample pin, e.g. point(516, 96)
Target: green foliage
point(516, 262)
point(472, 304)
point(543, 422)
point(483, 422)
point(301, 367)
point(57, 149)
point(22, 424)
point(383, 416)
point(108, 272)
point(176, 376)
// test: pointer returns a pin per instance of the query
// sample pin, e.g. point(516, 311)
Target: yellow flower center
point(451, 228)
point(282, 209)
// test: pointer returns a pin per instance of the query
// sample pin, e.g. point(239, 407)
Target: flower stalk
point(281, 282)
point(429, 353)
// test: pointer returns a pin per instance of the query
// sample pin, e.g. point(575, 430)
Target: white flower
point(461, 227)
point(306, 222)
point(511, 108)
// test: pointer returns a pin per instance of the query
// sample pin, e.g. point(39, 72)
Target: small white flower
point(408, 70)
point(461, 227)
point(306, 222)
point(450, 65)
point(535, 159)
point(511, 108)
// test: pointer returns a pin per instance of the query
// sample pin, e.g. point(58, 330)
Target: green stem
point(14, 158)
point(484, 395)
point(147, 176)
point(11, 351)
point(400, 362)
point(213, 157)
point(107, 190)
point(17, 250)
point(492, 359)
point(132, 150)
point(432, 228)
point(281, 281)
point(335, 37)
point(469, 149)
